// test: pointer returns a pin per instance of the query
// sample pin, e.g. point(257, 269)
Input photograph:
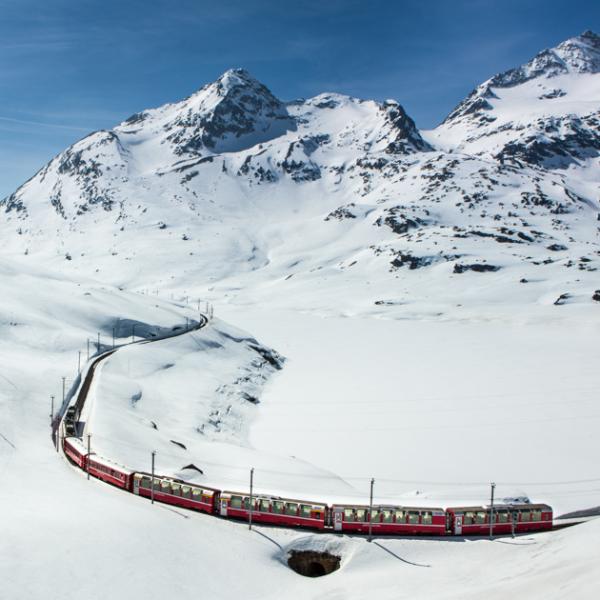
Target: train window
point(291, 508)
point(165, 487)
point(413, 516)
point(145, 482)
point(525, 516)
point(536, 515)
point(387, 516)
point(264, 505)
point(176, 489)
point(400, 516)
point(361, 515)
point(349, 515)
point(305, 511)
point(426, 518)
point(481, 517)
point(235, 502)
point(469, 518)
point(186, 491)
point(375, 516)
point(196, 495)
point(278, 507)
point(502, 517)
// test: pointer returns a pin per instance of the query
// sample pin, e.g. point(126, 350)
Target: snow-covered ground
point(417, 381)
point(434, 409)
point(64, 537)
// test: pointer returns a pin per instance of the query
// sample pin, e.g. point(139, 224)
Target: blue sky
point(68, 67)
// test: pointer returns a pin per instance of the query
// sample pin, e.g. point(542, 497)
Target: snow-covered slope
point(232, 191)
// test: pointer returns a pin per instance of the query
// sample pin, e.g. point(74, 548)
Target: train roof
point(76, 443)
point(109, 463)
point(176, 480)
point(501, 506)
point(272, 497)
point(387, 507)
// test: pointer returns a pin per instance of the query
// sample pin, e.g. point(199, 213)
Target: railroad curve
point(264, 508)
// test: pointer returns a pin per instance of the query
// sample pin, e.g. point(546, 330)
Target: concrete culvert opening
point(313, 564)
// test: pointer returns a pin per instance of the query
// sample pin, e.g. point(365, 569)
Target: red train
point(346, 518)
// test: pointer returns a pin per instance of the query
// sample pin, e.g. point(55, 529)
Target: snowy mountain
point(235, 122)
point(543, 113)
point(232, 192)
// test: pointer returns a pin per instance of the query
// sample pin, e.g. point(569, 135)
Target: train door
point(458, 524)
point(338, 514)
point(223, 510)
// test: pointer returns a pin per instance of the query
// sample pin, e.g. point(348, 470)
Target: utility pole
point(513, 521)
point(371, 511)
point(89, 435)
point(152, 484)
point(492, 512)
point(79, 362)
point(251, 498)
point(88, 348)
point(63, 390)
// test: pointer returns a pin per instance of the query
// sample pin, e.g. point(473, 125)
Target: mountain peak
point(576, 55)
point(579, 54)
point(237, 78)
point(233, 113)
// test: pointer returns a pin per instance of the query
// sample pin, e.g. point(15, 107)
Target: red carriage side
point(389, 520)
point(109, 471)
point(274, 510)
point(177, 492)
point(517, 518)
point(75, 451)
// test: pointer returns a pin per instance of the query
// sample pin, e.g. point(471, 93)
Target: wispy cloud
point(43, 124)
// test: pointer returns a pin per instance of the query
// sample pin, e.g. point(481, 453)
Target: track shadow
point(408, 562)
point(268, 538)
point(527, 543)
point(161, 505)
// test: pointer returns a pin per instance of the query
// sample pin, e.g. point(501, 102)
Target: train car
point(175, 491)
point(109, 471)
point(389, 520)
point(508, 518)
point(75, 451)
point(274, 510)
